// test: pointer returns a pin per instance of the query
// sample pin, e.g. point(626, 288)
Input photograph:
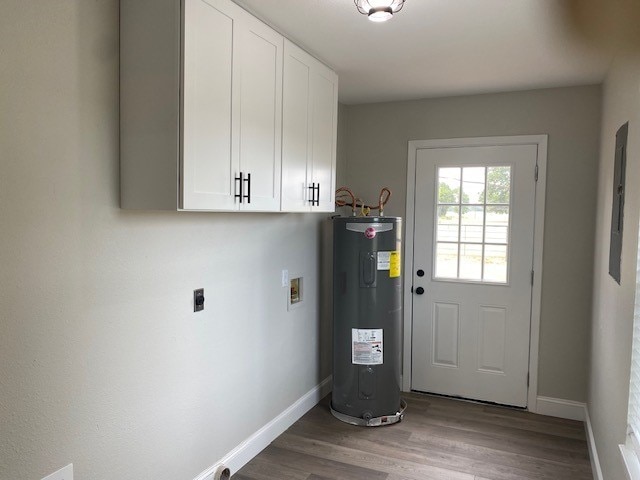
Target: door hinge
point(532, 275)
point(528, 379)
point(536, 173)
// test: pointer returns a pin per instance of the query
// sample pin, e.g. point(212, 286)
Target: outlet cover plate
point(65, 473)
point(198, 300)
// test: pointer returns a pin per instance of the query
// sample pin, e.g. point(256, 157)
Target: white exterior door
point(472, 277)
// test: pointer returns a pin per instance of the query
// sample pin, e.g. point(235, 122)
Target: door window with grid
point(472, 224)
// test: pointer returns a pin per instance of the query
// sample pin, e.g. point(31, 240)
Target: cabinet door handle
point(318, 196)
point(248, 195)
point(240, 182)
point(312, 200)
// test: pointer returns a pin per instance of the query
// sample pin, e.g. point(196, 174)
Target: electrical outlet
point(198, 300)
point(285, 278)
point(65, 473)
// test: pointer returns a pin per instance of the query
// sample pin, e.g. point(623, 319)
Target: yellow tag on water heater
point(394, 265)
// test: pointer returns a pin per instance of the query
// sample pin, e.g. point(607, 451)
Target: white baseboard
point(245, 451)
point(593, 453)
point(558, 407)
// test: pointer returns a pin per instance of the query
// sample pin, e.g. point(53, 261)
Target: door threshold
point(471, 400)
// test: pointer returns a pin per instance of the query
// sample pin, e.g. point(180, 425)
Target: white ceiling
point(435, 48)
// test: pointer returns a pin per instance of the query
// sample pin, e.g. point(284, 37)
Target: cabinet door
point(310, 105)
point(296, 130)
point(324, 120)
point(207, 166)
point(259, 90)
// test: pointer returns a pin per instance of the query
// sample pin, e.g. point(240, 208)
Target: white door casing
point(471, 336)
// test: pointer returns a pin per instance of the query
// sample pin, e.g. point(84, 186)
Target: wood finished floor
point(439, 438)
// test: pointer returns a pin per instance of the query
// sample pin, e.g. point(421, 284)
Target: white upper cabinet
point(202, 98)
point(201, 107)
point(232, 117)
point(258, 95)
point(309, 129)
point(209, 163)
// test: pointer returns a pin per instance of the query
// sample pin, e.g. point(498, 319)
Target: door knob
point(419, 290)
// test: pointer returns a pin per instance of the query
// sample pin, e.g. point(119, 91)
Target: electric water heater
point(367, 316)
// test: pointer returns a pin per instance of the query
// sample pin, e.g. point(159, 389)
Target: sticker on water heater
point(384, 260)
point(366, 346)
point(394, 265)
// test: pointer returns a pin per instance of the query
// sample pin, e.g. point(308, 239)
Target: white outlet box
point(65, 473)
point(285, 278)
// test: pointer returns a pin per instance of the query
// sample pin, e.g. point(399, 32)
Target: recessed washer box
point(295, 294)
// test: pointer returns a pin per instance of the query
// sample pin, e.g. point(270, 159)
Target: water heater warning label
point(394, 265)
point(366, 346)
point(389, 261)
point(384, 260)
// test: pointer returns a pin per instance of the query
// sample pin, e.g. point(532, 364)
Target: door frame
point(538, 242)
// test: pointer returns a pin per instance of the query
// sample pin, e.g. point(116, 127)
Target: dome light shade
point(379, 10)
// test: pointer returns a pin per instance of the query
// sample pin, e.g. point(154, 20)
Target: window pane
point(470, 261)
point(495, 263)
point(497, 225)
point(473, 185)
point(447, 260)
point(449, 185)
point(634, 382)
point(472, 222)
point(448, 220)
point(498, 184)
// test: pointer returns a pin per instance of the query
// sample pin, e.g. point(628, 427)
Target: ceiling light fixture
point(379, 10)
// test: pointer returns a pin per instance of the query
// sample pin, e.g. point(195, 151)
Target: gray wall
point(102, 361)
point(377, 156)
point(613, 304)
